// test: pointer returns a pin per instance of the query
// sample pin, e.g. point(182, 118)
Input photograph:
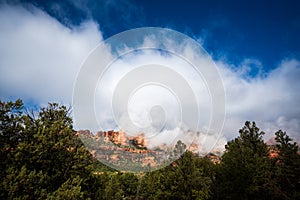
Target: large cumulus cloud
point(40, 58)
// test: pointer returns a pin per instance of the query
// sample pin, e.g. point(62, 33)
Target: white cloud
point(272, 100)
point(40, 58)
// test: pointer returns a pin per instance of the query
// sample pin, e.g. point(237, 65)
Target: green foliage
point(245, 168)
point(287, 166)
point(42, 158)
point(24, 184)
point(71, 189)
point(190, 177)
point(121, 186)
point(42, 155)
point(11, 129)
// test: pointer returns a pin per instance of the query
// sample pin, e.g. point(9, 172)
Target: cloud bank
point(40, 58)
point(271, 100)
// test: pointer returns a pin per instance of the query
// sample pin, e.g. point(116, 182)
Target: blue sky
point(264, 30)
point(255, 45)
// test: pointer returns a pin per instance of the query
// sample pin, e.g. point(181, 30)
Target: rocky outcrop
point(116, 146)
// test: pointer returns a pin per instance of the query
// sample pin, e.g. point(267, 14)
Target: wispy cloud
point(113, 15)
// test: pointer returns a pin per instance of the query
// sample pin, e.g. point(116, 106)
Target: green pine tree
point(245, 170)
point(42, 153)
point(287, 169)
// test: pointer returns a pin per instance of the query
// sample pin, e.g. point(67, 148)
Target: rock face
point(120, 138)
point(117, 147)
point(213, 158)
point(273, 151)
point(194, 148)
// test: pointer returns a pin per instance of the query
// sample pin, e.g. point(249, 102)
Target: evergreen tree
point(43, 155)
point(245, 170)
point(189, 177)
point(43, 158)
point(287, 169)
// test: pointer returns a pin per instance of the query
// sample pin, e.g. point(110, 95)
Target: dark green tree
point(43, 154)
point(287, 169)
point(189, 177)
point(245, 170)
point(43, 158)
point(11, 133)
point(11, 129)
point(121, 186)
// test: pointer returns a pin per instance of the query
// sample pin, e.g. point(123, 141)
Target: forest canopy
point(42, 158)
